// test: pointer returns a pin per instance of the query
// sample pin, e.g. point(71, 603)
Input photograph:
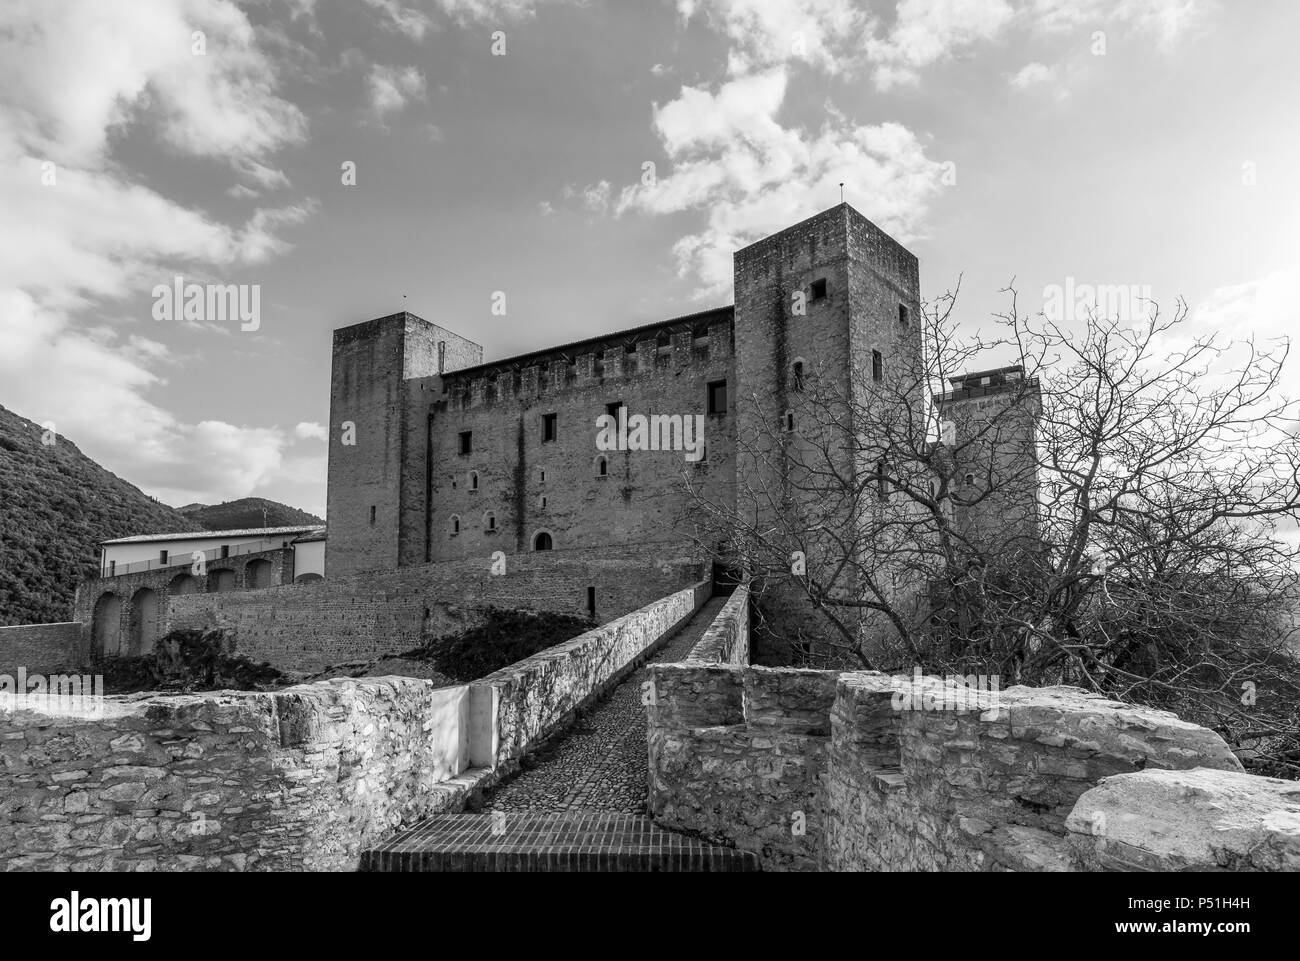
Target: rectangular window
point(818, 289)
point(591, 602)
point(162, 557)
point(372, 515)
point(613, 408)
point(902, 314)
point(466, 442)
point(877, 365)
point(718, 397)
point(225, 550)
point(112, 568)
point(548, 427)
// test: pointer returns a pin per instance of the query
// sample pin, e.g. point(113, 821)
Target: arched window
point(970, 480)
point(473, 480)
point(601, 465)
point(542, 541)
point(455, 525)
point(490, 522)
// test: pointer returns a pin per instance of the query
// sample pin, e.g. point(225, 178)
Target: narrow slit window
point(877, 365)
point(549, 425)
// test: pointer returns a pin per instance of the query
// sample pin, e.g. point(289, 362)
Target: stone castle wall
point(860, 771)
point(299, 779)
point(307, 627)
point(39, 648)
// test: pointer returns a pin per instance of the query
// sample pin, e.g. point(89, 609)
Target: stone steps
point(563, 841)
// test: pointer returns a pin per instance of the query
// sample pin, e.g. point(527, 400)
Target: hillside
point(56, 505)
point(246, 512)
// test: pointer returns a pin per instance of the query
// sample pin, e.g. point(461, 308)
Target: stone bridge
point(579, 759)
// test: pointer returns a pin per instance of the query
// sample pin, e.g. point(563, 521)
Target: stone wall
point(520, 705)
point(860, 771)
point(727, 639)
point(39, 648)
point(300, 779)
point(310, 626)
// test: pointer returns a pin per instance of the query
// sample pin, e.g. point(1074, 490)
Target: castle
point(436, 455)
point(582, 472)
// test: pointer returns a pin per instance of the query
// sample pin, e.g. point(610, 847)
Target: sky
point(592, 165)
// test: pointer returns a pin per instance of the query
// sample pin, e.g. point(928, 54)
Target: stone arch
point(146, 622)
point(258, 574)
point(221, 580)
point(543, 541)
point(183, 584)
point(310, 578)
point(106, 624)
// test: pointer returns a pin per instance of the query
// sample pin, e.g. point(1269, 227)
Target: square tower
point(828, 308)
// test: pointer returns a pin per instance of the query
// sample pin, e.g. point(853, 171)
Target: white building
point(147, 552)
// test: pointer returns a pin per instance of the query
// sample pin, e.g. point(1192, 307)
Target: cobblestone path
point(601, 763)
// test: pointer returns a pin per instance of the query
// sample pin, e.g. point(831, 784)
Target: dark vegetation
point(246, 512)
point(504, 638)
point(187, 661)
point(56, 505)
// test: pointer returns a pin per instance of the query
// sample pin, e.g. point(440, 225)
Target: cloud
point(310, 429)
point(392, 88)
point(752, 176)
point(829, 34)
point(1032, 75)
point(79, 235)
point(401, 18)
point(926, 32)
point(593, 198)
point(1167, 22)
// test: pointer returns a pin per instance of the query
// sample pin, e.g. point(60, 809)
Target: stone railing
point(299, 779)
point(727, 639)
point(860, 771)
point(520, 705)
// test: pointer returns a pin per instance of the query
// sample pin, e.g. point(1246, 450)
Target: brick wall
point(39, 648)
point(307, 627)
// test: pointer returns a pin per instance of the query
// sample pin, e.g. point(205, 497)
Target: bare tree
point(1111, 511)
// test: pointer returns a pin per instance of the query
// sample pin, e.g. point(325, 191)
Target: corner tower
point(380, 370)
point(834, 301)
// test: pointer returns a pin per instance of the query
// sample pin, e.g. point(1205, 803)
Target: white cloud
point(930, 31)
point(594, 198)
point(753, 176)
point(1167, 22)
point(829, 34)
point(74, 75)
point(1033, 75)
point(309, 429)
point(392, 88)
point(401, 18)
